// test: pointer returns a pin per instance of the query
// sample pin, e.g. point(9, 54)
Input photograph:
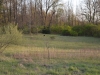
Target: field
point(52, 55)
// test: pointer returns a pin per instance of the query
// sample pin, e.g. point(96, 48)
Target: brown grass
point(58, 54)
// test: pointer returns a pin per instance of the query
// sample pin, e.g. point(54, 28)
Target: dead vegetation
point(58, 54)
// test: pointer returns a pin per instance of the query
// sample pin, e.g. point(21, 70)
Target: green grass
point(63, 42)
point(52, 67)
point(68, 56)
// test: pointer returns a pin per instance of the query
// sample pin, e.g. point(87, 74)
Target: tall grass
point(19, 52)
point(21, 60)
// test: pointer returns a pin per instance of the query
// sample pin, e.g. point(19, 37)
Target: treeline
point(30, 12)
point(47, 16)
point(78, 30)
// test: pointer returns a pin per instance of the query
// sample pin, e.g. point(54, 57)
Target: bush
point(9, 35)
point(86, 30)
point(73, 33)
point(67, 31)
point(96, 31)
point(57, 29)
point(13, 35)
point(46, 31)
point(79, 30)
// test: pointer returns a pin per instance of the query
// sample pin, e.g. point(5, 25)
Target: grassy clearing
point(67, 56)
point(62, 42)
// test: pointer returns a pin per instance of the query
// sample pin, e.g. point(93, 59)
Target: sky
point(74, 2)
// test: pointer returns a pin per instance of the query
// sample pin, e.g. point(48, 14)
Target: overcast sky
point(74, 2)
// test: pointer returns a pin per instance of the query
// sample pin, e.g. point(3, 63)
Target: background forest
point(52, 16)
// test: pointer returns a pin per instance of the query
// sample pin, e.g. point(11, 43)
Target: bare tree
point(45, 6)
point(69, 13)
point(91, 11)
point(33, 12)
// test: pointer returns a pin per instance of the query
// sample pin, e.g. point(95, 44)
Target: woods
point(30, 15)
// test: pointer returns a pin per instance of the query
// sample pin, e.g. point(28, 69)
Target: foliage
point(26, 29)
point(69, 32)
point(73, 33)
point(96, 31)
point(57, 29)
point(87, 30)
point(13, 34)
point(9, 35)
point(46, 30)
point(61, 29)
point(79, 30)
point(66, 33)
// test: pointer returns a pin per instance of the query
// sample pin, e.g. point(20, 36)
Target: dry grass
point(29, 53)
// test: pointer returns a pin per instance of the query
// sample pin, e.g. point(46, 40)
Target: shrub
point(69, 28)
point(73, 33)
point(86, 30)
point(67, 31)
point(96, 31)
point(9, 35)
point(56, 29)
point(79, 30)
point(46, 30)
point(90, 30)
point(12, 34)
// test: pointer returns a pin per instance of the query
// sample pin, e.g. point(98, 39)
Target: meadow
point(52, 55)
